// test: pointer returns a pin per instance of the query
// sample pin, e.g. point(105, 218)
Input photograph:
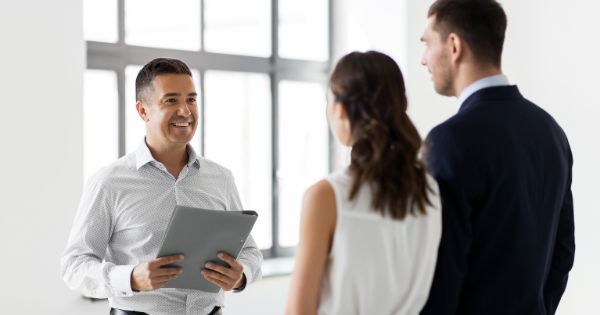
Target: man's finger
point(165, 260)
point(216, 276)
point(230, 260)
point(220, 283)
point(220, 269)
point(170, 271)
point(165, 278)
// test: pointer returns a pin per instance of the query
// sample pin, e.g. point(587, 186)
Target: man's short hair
point(481, 23)
point(157, 67)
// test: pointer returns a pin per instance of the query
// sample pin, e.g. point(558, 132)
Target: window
point(260, 68)
point(302, 147)
point(301, 25)
point(245, 30)
point(238, 136)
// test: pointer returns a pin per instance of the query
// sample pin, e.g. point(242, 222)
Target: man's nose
point(184, 110)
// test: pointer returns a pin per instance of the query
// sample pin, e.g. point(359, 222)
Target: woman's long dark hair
point(385, 152)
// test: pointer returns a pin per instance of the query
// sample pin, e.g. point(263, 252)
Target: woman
point(369, 234)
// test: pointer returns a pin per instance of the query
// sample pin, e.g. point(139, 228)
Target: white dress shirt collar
point(143, 155)
point(491, 81)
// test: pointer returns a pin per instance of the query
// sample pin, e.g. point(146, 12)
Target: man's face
point(437, 60)
point(170, 110)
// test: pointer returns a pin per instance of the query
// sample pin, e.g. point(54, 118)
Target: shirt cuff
point(120, 280)
point(248, 275)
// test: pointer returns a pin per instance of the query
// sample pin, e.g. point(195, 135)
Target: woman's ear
point(339, 111)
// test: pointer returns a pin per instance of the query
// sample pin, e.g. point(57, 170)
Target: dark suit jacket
point(503, 166)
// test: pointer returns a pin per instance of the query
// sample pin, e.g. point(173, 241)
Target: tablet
point(200, 234)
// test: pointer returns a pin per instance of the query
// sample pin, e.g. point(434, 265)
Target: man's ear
point(141, 109)
point(456, 46)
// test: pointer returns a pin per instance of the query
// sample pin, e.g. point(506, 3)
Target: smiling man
point(125, 209)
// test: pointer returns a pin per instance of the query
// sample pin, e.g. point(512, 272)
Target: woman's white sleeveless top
point(378, 265)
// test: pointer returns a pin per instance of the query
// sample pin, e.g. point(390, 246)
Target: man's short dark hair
point(481, 23)
point(157, 67)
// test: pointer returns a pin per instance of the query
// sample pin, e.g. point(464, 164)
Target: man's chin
point(180, 140)
point(444, 91)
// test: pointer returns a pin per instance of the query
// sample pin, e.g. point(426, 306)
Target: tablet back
point(200, 234)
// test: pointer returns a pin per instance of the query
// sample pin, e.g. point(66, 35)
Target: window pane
point(245, 30)
point(155, 23)
point(303, 150)
point(134, 125)
point(100, 20)
point(238, 136)
point(100, 120)
point(304, 29)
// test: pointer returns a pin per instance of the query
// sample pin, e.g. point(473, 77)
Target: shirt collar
point(491, 81)
point(143, 155)
point(193, 158)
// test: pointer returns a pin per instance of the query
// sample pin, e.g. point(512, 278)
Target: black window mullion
point(202, 25)
point(202, 111)
point(274, 128)
point(275, 164)
point(122, 119)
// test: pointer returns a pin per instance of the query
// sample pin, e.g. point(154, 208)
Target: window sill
point(277, 267)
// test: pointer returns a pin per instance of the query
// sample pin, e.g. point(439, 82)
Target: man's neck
point(174, 158)
point(471, 74)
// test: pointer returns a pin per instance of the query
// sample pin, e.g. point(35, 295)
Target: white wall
point(42, 58)
point(365, 25)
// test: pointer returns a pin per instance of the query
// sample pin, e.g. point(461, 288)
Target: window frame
point(117, 56)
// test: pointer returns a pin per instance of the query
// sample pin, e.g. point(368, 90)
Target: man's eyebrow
point(179, 94)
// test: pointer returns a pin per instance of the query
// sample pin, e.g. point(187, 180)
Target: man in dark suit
point(504, 170)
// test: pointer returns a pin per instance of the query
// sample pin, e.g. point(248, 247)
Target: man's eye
point(171, 100)
point(192, 100)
